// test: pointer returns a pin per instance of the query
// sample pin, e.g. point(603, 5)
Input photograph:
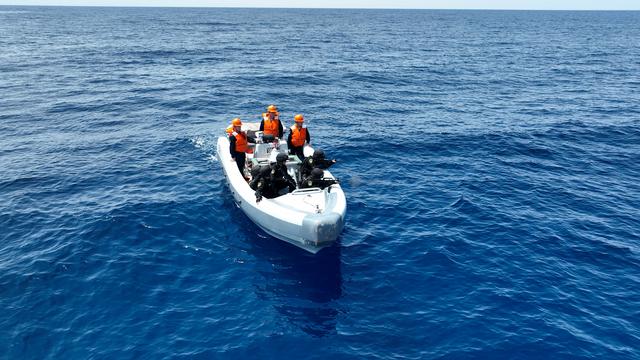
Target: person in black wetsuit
point(262, 184)
point(279, 177)
point(315, 180)
point(317, 160)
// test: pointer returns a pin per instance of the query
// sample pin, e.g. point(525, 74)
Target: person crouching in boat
point(280, 179)
point(317, 160)
point(315, 179)
point(261, 183)
point(239, 144)
point(270, 124)
point(298, 136)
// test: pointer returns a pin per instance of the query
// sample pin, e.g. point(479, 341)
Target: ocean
point(490, 160)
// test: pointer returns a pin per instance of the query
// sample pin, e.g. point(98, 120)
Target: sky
point(400, 4)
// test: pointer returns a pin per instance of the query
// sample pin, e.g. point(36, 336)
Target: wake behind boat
point(310, 218)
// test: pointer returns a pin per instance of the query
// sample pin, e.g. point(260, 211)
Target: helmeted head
point(236, 122)
point(281, 158)
point(317, 173)
point(299, 119)
point(229, 129)
point(272, 109)
point(318, 154)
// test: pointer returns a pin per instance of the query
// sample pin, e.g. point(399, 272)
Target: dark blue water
point(491, 162)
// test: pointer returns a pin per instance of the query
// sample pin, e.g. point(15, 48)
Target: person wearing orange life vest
point(270, 123)
point(298, 136)
point(239, 144)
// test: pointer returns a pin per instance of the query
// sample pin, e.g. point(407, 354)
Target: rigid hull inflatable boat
point(309, 218)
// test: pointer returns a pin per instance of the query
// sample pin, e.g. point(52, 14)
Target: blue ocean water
point(490, 160)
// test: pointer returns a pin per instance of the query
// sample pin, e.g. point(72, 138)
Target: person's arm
point(289, 140)
point(259, 189)
point(280, 129)
point(262, 125)
point(308, 137)
point(306, 167)
point(232, 147)
point(286, 175)
point(327, 163)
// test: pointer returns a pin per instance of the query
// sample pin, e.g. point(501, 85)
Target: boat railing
point(306, 191)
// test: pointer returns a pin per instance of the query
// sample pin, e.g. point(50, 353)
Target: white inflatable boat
point(308, 218)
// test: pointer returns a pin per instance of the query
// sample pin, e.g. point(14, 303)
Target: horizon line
point(303, 8)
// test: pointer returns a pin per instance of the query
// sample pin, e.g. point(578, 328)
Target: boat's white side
point(308, 218)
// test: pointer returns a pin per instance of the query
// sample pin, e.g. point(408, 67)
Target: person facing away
point(316, 160)
point(270, 123)
point(255, 176)
point(262, 184)
point(298, 136)
point(279, 177)
point(315, 179)
point(239, 144)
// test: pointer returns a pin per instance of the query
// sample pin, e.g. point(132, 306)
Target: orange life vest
point(270, 126)
point(298, 136)
point(241, 142)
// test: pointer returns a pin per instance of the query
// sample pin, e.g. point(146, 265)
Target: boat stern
point(321, 230)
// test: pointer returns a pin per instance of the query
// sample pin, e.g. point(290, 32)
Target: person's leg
point(299, 152)
point(240, 159)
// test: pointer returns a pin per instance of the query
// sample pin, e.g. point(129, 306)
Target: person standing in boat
point(239, 144)
point(317, 160)
point(270, 123)
point(298, 136)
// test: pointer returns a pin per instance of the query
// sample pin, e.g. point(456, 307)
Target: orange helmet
point(236, 122)
point(298, 118)
point(272, 109)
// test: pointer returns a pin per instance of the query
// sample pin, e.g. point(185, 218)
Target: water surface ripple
point(490, 161)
